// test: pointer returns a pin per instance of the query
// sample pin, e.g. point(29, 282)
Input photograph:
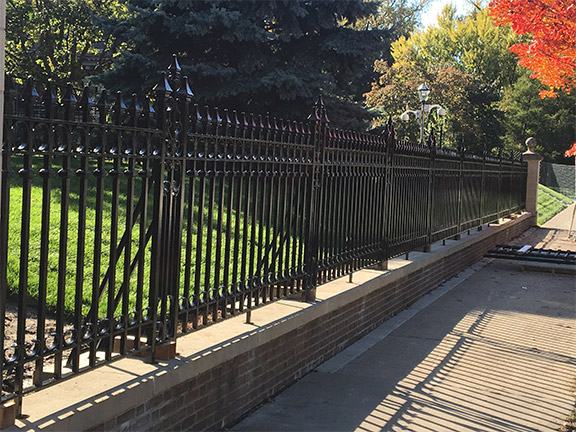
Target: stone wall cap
point(531, 156)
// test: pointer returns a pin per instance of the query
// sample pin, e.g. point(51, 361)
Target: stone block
point(8, 413)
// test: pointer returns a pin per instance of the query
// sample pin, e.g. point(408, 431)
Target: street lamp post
point(423, 93)
point(422, 114)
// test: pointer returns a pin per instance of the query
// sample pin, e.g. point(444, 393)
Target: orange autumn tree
point(551, 52)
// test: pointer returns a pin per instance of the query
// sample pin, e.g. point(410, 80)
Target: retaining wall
point(224, 371)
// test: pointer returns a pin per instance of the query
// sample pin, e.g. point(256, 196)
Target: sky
point(436, 6)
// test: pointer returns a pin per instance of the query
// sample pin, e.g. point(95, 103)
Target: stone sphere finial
point(531, 144)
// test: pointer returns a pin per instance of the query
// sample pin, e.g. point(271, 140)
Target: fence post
point(183, 98)
point(533, 159)
point(431, 183)
point(482, 187)
point(5, 170)
point(176, 130)
point(167, 178)
point(319, 121)
point(460, 192)
point(390, 141)
point(499, 198)
point(162, 91)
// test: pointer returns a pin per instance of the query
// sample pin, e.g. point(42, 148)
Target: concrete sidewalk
point(562, 220)
point(493, 349)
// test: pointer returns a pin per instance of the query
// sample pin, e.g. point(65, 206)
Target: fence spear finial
point(184, 91)
point(174, 66)
point(69, 101)
point(30, 96)
point(174, 71)
point(86, 104)
point(315, 115)
point(102, 106)
point(118, 109)
point(163, 86)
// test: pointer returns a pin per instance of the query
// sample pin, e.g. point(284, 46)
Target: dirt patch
point(30, 335)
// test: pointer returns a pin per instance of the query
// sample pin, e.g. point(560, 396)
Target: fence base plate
point(309, 295)
point(130, 343)
point(41, 376)
point(165, 351)
point(383, 265)
point(8, 413)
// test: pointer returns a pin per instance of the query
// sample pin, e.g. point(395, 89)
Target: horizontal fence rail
point(123, 226)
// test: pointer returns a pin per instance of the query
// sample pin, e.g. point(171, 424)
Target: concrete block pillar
point(533, 160)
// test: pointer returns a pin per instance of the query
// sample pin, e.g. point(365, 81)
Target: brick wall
point(221, 396)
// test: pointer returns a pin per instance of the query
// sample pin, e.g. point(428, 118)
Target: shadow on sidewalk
point(500, 368)
point(496, 353)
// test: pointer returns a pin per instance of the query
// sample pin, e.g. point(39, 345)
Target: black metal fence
point(124, 226)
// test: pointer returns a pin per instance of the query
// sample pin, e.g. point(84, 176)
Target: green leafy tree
point(475, 52)
point(471, 43)
point(395, 92)
point(552, 121)
point(58, 39)
point(258, 55)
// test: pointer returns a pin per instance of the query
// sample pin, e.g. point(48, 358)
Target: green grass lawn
point(550, 203)
point(75, 283)
point(556, 194)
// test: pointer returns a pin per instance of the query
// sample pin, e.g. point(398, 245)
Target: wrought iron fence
point(124, 226)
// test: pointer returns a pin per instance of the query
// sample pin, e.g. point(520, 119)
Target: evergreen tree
point(256, 55)
point(396, 18)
